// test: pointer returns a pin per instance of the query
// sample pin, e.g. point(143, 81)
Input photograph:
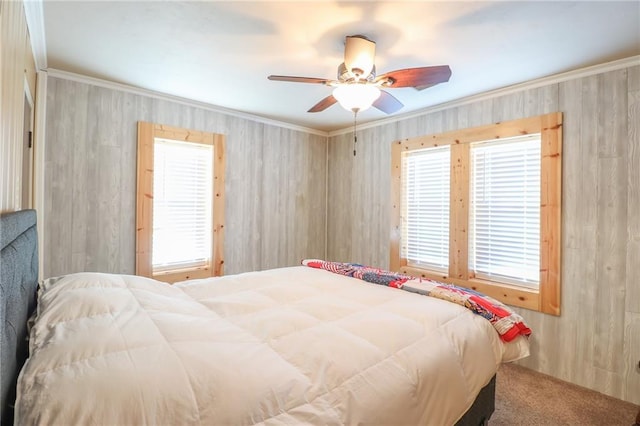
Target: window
point(504, 216)
point(182, 188)
point(180, 203)
point(425, 204)
point(491, 220)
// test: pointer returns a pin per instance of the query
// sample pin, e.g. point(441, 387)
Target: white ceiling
point(222, 52)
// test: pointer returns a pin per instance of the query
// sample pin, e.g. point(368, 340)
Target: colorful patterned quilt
point(507, 323)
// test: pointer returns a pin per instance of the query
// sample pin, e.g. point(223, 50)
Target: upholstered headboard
point(18, 282)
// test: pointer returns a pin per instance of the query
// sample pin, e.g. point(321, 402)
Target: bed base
point(482, 408)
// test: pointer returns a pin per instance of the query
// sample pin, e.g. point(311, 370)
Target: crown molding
point(66, 75)
point(34, 14)
point(532, 84)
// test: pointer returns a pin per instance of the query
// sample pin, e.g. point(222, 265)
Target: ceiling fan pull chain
point(355, 129)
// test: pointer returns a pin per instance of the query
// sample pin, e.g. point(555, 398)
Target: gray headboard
point(18, 282)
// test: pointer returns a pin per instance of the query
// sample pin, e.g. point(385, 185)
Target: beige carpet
point(525, 397)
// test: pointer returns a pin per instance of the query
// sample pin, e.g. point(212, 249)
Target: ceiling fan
point(357, 86)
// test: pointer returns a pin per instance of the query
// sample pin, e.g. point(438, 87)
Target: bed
point(294, 345)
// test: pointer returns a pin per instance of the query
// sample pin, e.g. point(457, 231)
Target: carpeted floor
point(525, 397)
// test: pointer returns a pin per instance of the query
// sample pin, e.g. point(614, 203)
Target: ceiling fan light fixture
point(356, 96)
point(359, 54)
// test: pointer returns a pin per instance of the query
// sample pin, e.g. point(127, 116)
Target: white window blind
point(425, 207)
point(182, 205)
point(504, 237)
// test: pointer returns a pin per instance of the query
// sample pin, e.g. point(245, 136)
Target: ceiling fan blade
point(323, 104)
point(416, 77)
point(387, 103)
point(298, 79)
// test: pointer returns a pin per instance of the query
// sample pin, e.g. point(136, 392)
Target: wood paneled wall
point(596, 341)
point(275, 182)
point(16, 66)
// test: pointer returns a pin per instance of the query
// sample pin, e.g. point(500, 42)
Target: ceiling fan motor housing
point(359, 56)
point(344, 75)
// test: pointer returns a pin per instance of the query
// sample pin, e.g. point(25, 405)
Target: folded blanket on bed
point(507, 323)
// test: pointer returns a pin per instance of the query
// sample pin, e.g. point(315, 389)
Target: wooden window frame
point(147, 133)
point(547, 297)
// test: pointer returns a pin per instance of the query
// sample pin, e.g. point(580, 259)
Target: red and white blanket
point(507, 323)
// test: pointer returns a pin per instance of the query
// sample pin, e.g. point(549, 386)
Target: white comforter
point(286, 346)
